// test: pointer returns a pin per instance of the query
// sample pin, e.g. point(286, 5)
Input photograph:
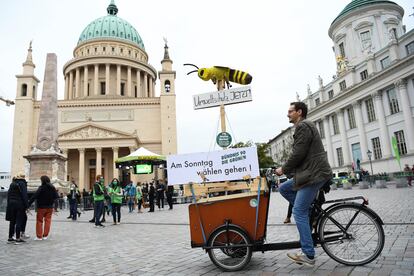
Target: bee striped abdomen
point(240, 77)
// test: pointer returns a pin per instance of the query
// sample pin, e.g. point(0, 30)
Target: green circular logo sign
point(223, 139)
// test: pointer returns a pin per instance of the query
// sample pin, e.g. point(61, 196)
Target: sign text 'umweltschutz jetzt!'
point(225, 97)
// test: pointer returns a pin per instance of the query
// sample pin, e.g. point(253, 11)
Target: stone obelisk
point(46, 158)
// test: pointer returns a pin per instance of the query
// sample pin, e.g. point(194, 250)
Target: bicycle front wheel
point(351, 235)
point(230, 248)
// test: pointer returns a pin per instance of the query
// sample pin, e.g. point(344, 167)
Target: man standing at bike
point(308, 170)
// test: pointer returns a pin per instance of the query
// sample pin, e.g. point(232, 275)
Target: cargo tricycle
point(233, 226)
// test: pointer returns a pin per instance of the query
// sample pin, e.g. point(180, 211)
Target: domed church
point(109, 107)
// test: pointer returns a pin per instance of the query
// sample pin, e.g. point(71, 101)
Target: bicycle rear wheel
point(351, 235)
point(232, 252)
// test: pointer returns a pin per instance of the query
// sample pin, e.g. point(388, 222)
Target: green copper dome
point(111, 27)
point(355, 4)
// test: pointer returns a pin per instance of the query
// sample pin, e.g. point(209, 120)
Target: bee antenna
point(190, 64)
point(194, 71)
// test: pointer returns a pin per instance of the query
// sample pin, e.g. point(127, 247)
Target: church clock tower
point(168, 112)
point(23, 115)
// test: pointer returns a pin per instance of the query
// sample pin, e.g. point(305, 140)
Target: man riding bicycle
point(308, 164)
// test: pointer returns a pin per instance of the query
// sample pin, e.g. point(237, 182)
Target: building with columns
point(110, 107)
point(371, 97)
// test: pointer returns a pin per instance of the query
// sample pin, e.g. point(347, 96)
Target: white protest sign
point(231, 164)
point(225, 97)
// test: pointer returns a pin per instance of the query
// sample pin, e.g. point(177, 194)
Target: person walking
point(151, 197)
point(107, 203)
point(85, 196)
point(73, 201)
point(160, 195)
point(60, 200)
point(45, 197)
point(115, 192)
point(408, 172)
point(309, 166)
point(412, 172)
point(17, 205)
point(92, 220)
point(23, 235)
point(289, 214)
point(139, 197)
point(98, 198)
point(131, 192)
point(145, 190)
point(170, 193)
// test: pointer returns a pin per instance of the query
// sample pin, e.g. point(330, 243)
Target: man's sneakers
point(37, 239)
point(11, 241)
point(301, 259)
point(19, 241)
point(24, 236)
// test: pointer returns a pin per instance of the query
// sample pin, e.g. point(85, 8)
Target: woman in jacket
point(16, 207)
point(115, 192)
point(139, 197)
point(45, 197)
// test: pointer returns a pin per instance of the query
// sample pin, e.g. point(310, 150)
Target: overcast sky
point(284, 45)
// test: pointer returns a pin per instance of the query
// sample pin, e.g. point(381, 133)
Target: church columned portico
point(92, 149)
point(83, 164)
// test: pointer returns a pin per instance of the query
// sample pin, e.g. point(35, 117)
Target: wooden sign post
point(220, 86)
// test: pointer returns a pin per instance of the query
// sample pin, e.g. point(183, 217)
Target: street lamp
point(8, 102)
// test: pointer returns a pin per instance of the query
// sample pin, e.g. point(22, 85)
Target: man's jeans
point(131, 203)
point(73, 208)
point(99, 206)
point(301, 201)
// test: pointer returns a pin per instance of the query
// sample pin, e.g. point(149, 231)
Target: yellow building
point(109, 107)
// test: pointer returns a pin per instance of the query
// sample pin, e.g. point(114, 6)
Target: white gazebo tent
point(141, 156)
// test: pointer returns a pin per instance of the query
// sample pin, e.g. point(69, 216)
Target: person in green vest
point(115, 192)
point(98, 198)
point(138, 196)
point(344, 182)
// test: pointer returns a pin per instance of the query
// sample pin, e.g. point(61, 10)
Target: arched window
point(34, 92)
point(167, 86)
point(24, 90)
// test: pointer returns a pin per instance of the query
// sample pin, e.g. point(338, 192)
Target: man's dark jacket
point(151, 192)
point(45, 195)
point(308, 163)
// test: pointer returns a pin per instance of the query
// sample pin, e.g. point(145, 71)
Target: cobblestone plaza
point(159, 244)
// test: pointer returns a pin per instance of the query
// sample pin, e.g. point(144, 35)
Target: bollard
point(401, 183)
point(347, 185)
point(364, 185)
point(380, 184)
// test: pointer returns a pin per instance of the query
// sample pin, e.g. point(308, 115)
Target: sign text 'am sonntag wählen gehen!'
point(223, 165)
